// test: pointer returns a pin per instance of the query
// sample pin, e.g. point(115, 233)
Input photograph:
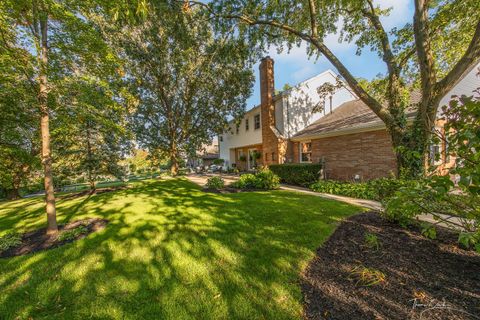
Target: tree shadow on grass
point(171, 251)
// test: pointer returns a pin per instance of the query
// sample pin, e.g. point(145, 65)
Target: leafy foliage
point(72, 234)
point(302, 174)
point(267, 180)
point(438, 195)
point(367, 276)
point(371, 240)
point(186, 81)
point(377, 189)
point(10, 240)
point(215, 183)
point(264, 179)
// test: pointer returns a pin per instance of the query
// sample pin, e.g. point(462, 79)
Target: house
point(262, 136)
point(205, 156)
point(346, 136)
point(353, 143)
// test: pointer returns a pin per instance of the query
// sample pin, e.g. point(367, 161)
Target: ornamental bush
point(264, 179)
point(301, 174)
point(10, 240)
point(215, 183)
point(72, 234)
point(246, 181)
point(378, 189)
point(267, 180)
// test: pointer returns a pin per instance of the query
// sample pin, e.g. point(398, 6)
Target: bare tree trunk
point(52, 227)
point(12, 194)
point(90, 176)
point(173, 164)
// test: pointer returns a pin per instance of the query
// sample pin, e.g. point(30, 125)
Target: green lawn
point(169, 252)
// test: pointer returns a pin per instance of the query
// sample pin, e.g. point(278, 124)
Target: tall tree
point(19, 138)
point(187, 80)
point(54, 40)
point(98, 139)
point(441, 43)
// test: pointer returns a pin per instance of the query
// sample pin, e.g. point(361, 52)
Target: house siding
point(367, 154)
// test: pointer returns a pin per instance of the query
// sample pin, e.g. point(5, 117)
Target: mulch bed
point(424, 279)
point(90, 192)
point(39, 240)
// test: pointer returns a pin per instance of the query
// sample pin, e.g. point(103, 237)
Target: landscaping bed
point(402, 275)
point(38, 240)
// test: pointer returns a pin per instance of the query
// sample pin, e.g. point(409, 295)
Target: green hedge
point(377, 189)
point(301, 174)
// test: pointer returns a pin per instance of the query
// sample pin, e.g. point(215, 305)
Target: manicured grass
point(170, 251)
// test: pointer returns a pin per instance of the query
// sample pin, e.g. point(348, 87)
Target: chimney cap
point(267, 58)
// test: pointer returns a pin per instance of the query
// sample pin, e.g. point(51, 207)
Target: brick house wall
point(368, 154)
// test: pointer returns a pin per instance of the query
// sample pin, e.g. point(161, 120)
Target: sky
point(295, 67)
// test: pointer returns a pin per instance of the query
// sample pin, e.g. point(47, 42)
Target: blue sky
point(294, 67)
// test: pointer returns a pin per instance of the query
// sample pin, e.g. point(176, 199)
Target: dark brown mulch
point(90, 192)
point(39, 240)
point(424, 279)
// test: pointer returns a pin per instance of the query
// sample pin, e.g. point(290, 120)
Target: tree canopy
point(187, 80)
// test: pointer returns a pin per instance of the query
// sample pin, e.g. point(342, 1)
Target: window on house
point(273, 156)
point(246, 125)
point(220, 138)
point(434, 154)
point(256, 122)
point(305, 152)
point(266, 156)
point(237, 129)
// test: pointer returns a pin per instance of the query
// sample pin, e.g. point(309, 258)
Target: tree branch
point(469, 58)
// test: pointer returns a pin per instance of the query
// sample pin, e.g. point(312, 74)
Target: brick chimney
point(267, 90)
point(273, 146)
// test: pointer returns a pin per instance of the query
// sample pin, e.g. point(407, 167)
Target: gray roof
point(349, 115)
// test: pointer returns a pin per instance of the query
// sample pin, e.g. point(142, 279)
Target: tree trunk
point(173, 164)
point(410, 151)
point(90, 176)
point(52, 227)
point(12, 194)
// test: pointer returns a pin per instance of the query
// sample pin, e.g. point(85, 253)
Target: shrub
point(264, 179)
point(72, 234)
point(367, 276)
point(371, 241)
point(215, 183)
point(302, 174)
point(267, 180)
point(379, 189)
point(10, 240)
point(354, 190)
point(246, 181)
point(218, 162)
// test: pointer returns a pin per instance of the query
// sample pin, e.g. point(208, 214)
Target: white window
point(256, 122)
point(305, 152)
point(246, 125)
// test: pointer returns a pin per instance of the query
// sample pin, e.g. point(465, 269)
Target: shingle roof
point(350, 115)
